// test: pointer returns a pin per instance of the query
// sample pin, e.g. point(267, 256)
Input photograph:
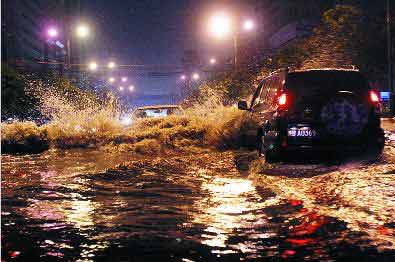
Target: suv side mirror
point(242, 105)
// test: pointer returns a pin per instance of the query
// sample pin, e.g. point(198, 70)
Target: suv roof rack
point(342, 68)
point(283, 69)
point(291, 69)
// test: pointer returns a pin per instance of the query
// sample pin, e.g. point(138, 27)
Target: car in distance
point(324, 110)
point(157, 111)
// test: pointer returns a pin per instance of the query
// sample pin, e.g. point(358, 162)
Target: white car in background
point(157, 111)
point(152, 112)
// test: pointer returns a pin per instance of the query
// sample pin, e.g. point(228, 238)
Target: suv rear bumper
point(280, 142)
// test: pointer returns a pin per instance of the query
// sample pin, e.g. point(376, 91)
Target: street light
point(131, 87)
point(111, 65)
point(121, 88)
point(52, 32)
point(82, 31)
point(124, 79)
point(111, 80)
point(213, 61)
point(248, 25)
point(183, 77)
point(195, 76)
point(220, 25)
point(92, 66)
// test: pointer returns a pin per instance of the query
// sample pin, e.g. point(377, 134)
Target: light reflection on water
point(231, 204)
point(51, 176)
point(78, 212)
point(89, 214)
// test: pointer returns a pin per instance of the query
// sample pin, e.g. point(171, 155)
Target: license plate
point(301, 132)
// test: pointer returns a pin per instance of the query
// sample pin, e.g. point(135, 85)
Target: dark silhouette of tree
point(336, 42)
point(15, 102)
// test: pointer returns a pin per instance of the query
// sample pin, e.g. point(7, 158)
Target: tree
point(337, 40)
point(15, 102)
point(349, 36)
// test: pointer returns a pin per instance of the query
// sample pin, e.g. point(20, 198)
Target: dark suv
point(326, 110)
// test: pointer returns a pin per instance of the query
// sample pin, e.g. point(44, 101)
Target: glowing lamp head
point(220, 25)
point(82, 31)
point(248, 25)
point(195, 76)
point(92, 66)
point(213, 61)
point(183, 77)
point(111, 65)
point(52, 32)
point(124, 79)
point(121, 88)
point(111, 80)
point(131, 87)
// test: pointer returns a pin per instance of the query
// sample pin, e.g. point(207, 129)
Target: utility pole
point(235, 46)
point(389, 56)
point(68, 47)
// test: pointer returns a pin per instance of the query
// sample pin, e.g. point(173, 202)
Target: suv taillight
point(283, 100)
point(374, 97)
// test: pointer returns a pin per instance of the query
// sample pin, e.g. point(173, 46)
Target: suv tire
point(272, 156)
point(375, 143)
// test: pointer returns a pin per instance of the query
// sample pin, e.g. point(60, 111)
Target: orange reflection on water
point(229, 206)
point(78, 211)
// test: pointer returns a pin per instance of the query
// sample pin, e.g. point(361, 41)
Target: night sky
point(152, 32)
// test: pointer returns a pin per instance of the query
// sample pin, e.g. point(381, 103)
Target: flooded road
point(88, 205)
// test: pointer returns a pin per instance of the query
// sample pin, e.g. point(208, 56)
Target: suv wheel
point(375, 143)
point(272, 156)
point(260, 144)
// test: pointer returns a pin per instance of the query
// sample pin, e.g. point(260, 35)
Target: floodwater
point(89, 205)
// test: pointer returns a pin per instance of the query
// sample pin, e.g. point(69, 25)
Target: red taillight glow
point(282, 100)
point(374, 97)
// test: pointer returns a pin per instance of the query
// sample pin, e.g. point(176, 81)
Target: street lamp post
point(51, 35)
point(81, 31)
point(389, 57)
point(220, 26)
point(235, 46)
point(68, 51)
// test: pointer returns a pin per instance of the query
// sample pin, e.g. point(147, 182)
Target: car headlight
point(126, 120)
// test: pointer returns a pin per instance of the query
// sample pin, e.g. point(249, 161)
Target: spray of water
point(76, 117)
point(80, 119)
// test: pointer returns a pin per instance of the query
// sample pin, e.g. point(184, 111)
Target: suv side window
point(255, 98)
point(266, 99)
point(272, 94)
point(276, 85)
point(264, 91)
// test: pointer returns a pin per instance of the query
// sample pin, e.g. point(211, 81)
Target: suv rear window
point(319, 82)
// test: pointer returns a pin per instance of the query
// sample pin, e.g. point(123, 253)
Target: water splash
point(81, 119)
